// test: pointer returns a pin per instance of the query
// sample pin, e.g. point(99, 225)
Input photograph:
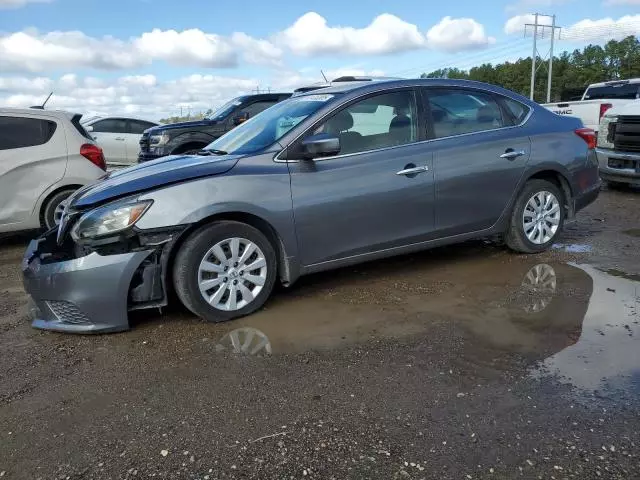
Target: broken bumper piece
point(88, 294)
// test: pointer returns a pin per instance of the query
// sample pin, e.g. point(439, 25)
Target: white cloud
point(257, 52)
point(189, 47)
point(517, 24)
point(310, 35)
point(611, 3)
point(32, 51)
point(604, 28)
point(19, 3)
point(456, 34)
point(143, 95)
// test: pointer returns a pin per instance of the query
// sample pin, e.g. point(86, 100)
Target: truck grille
point(626, 134)
point(67, 312)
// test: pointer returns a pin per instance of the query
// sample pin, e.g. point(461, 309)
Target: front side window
point(110, 125)
point(18, 132)
point(268, 127)
point(224, 111)
point(458, 111)
point(381, 121)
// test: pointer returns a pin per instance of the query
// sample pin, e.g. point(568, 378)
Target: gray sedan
point(325, 179)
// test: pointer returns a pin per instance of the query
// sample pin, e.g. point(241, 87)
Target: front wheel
point(225, 270)
point(537, 217)
point(53, 209)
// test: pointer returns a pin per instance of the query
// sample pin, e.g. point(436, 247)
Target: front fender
point(264, 193)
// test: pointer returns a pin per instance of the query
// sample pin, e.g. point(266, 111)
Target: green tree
point(572, 72)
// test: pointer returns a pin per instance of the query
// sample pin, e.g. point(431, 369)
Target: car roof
point(127, 117)
point(385, 84)
point(614, 82)
point(37, 111)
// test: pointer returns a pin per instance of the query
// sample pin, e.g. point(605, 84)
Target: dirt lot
point(459, 363)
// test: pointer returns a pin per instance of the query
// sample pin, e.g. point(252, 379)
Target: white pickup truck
point(619, 145)
point(597, 99)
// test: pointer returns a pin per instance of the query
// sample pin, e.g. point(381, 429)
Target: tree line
point(571, 74)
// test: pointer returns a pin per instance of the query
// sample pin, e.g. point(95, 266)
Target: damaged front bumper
point(89, 292)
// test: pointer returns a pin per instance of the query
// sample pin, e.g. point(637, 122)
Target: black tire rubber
point(192, 251)
point(47, 219)
point(515, 237)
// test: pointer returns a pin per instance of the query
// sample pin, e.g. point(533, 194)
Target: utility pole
point(553, 36)
point(534, 57)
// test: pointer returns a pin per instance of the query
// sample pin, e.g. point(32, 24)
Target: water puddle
point(574, 322)
point(606, 356)
point(572, 248)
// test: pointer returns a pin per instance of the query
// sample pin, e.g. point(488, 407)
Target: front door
point(377, 193)
point(480, 157)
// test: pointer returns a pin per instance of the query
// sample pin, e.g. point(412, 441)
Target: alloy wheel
point(541, 217)
point(232, 273)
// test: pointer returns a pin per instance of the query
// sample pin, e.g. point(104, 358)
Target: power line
point(469, 59)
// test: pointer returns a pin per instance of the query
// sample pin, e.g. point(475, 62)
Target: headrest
point(342, 122)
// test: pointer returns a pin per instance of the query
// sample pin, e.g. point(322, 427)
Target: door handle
point(512, 154)
point(413, 171)
point(120, 138)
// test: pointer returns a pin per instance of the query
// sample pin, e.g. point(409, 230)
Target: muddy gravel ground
point(463, 362)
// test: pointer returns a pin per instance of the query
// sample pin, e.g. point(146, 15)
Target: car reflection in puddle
point(572, 322)
point(606, 357)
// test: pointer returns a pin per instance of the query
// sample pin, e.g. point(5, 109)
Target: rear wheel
point(224, 271)
point(537, 217)
point(53, 208)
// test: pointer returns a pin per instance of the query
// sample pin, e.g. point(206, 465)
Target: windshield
point(625, 91)
point(269, 126)
point(225, 109)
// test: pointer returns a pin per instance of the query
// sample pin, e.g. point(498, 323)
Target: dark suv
point(190, 137)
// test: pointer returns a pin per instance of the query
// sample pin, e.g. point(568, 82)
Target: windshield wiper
point(211, 151)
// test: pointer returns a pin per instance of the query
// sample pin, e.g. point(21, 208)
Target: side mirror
point(240, 118)
point(89, 128)
point(320, 145)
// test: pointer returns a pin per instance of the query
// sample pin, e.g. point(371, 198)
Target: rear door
point(33, 156)
point(480, 156)
point(110, 134)
point(135, 128)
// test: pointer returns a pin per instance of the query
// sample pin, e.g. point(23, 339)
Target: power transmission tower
point(540, 30)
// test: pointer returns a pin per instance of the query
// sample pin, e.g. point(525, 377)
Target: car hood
point(180, 125)
point(149, 175)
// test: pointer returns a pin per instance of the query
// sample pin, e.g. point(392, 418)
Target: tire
point(48, 215)
point(188, 276)
point(516, 237)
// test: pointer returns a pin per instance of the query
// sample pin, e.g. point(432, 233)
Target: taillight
point(94, 154)
point(603, 109)
point(588, 135)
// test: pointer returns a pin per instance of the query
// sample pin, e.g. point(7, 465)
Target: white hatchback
point(45, 156)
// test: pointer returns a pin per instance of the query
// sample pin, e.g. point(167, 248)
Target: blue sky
point(151, 57)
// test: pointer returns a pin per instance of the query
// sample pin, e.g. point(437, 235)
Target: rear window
point(19, 132)
point(75, 121)
point(623, 91)
point(517, 109)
